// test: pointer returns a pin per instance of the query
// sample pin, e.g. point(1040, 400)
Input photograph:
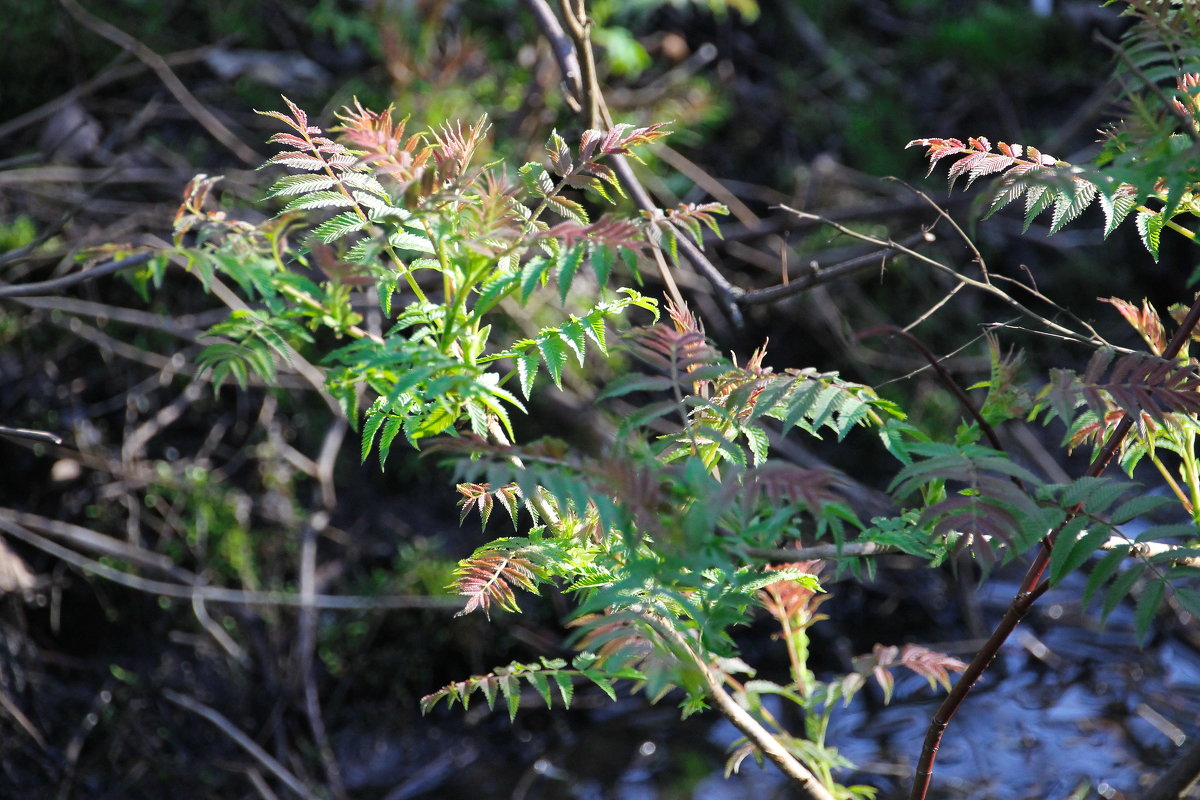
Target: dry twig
point(163, 70)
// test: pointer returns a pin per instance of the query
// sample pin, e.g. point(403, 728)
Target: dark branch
point(817, 277)
point(560, 44)
point(26, 433)
point(56, 284)
point(1032, 587)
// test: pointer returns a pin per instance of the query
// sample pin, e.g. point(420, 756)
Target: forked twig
point(576, 40)
point(947, 379)
point(808, 280)
point(1092, 338)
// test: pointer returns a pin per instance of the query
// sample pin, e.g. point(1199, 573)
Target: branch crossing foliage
point(1154, 179)
point(650, 537)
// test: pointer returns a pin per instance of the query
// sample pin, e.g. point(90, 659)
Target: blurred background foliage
point(799, 102)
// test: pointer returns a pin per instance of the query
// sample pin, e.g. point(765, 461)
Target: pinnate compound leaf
point(534, 274)
point(1104, 570)
point(475, 495)
point(1071, 202)
point(566, 689)
point(635, 382)
point(602, 258)
point(489, 577)
point(566, 207)
point(646, 414)
point(538, 680)
point(406, 240)
point(1189, 600)
point(1120, 588)
point(301, 184)
point(574, 335)
point(593, 325)
point(387, 435)
point(602, 680)
point(493, 292)
point(1072, 551)
point(318, 200)
point(338, 226)
point(1038, 199)
point(489, 686)
point(375, 420)
point(1011, 188)
point(1137, 506)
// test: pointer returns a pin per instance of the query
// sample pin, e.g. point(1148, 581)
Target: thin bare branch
point(115, 72)
point(306, 645)
point(163, 70)
point(964, 400)
point(717, 190)
point(983, 286)
point(217, 594)
point(843, 269)
point(243, 741)
point(27, 433)
point(564, 51)
point(58, 284)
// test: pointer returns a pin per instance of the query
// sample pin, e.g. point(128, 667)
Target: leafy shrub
point(670, 538)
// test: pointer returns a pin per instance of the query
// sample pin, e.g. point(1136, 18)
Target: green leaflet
point(339, 226)
point(1150, 229)
point(1116, 208)
point(568, 264)
point(316, 200)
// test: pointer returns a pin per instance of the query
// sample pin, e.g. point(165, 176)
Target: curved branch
point(947, 379)
point(981, 285)
point(817, 277)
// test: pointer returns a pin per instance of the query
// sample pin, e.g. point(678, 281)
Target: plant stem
point(1171, 482)
point(1032, 587)
point(742, 719)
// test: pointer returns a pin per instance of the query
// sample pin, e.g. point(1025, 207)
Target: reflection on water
point(1067, 705)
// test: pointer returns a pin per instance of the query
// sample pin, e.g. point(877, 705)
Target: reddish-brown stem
point(1032, 587)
